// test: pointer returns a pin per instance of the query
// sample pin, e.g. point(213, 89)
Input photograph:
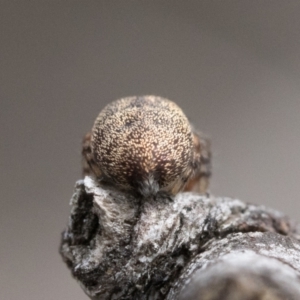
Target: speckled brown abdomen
point(146, 144)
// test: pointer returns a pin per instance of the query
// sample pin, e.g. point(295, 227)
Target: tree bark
point(190, 247)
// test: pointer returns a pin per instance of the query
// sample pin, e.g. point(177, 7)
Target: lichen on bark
point(119, 246)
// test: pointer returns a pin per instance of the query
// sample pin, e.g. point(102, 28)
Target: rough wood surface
point(189, 247)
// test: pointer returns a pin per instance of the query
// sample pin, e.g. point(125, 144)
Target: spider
point(146, 145)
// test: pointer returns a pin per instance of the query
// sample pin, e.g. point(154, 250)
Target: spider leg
point(89, 166)
point(200, 165)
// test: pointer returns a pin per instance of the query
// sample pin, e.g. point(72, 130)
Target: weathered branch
point(192, 247)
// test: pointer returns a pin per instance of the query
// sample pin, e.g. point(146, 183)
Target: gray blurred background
point(233, 66)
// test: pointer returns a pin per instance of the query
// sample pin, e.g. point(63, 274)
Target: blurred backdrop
point(233, 66)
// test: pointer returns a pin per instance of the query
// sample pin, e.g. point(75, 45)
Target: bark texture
point(190, 247)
